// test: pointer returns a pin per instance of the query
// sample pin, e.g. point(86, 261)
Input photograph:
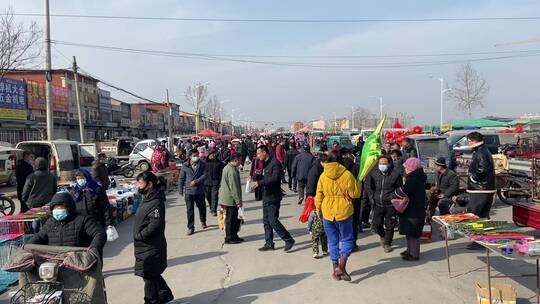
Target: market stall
point(498, 238)
point(527, 213)
point(15, 230)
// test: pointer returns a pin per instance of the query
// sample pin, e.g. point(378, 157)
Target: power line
point(276, 20)
point(299, 56)
point(303, 64)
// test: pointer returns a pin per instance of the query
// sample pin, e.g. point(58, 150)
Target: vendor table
point(490, 250)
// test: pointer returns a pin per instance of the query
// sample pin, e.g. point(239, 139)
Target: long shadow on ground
point(246, 292)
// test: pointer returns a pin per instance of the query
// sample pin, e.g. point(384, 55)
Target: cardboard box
point(500, 294)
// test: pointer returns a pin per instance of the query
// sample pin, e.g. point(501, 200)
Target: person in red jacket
point(280, 156)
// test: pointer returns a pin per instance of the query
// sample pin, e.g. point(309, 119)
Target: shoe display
point(266, 247)
point(289, 245)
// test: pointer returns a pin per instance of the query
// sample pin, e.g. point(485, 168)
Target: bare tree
point(213, 108)
point(19, 44)
point(362, 118)
point(469, 90)
point(197, 97)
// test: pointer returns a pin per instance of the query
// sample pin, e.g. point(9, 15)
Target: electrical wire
point(300, 64)
point(276, 20)
point(303, 56)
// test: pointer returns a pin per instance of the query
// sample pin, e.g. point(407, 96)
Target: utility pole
point(352, 118)
point(78, 99)
point(170, 123)
point(381, 107)
point(232, 122)
point(48, 75)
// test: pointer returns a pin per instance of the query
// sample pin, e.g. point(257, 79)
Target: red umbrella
point(208, 133)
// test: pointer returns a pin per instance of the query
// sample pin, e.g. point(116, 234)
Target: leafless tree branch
point(19, 44)
point(470, 89)
point(197, 96)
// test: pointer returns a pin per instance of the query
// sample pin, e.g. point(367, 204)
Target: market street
point(203, 270)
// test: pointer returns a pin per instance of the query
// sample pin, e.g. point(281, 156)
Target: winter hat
point(412, 164)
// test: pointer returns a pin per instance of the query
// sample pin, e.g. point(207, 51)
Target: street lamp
point(443, 90)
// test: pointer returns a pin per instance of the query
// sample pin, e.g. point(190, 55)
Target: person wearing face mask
point(149, 242)
point(411, 221)
point(25, 167)
point(380, 186)
point(68, 228)
point(91, 200)
point(191, 183)
point(40, 186)
point(100, 172)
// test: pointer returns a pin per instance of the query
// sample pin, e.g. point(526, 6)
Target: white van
point(8, 161)
point(141, 155)
point(64, 156)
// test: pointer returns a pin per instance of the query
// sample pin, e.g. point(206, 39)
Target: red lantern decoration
point(417, 130)
point(399, 140)
point(388, 135)
point(397, 125)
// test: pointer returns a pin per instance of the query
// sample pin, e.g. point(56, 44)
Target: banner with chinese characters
point(37, 97)
point(12, 99)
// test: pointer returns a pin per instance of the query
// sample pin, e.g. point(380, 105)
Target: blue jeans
point(339, 232)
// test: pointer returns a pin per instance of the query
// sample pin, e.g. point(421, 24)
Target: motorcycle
point(115, 168)
point(57, 275)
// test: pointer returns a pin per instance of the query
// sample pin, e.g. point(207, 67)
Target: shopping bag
point(112, 234)
point(248, 186)
point(241, 214)
point(400, 203)
point(426, 233)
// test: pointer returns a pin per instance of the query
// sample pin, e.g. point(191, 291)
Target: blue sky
point(281, 93)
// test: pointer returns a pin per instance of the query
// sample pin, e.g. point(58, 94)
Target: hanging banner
point(12, 99)
point(37, 97)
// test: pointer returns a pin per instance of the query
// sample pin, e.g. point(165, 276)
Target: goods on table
point(456, 218)
point(484, 227)
point(124, 200)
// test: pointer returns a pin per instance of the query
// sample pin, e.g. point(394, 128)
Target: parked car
point(429, 148)
point(64, 156)
point(119, 148)
point(8, 161)
point(457, 140)
point(141, 155)
point(343, 141)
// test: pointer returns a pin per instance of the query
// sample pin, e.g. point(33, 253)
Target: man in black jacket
point(22, 171)
point(300, 170)
point(408, 149)
point(447, 184)
point(290, 155)
point(481, 182)
point(314, 173)
point(380, 185)
point(40, 186)
point(67, 228)
point(191, 182)
point(272, 196)
point(214, 168)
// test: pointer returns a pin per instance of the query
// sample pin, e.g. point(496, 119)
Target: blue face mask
point(59, 214)
point(81, 182)
point(383, 168)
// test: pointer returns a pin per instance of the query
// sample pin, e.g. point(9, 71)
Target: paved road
point(204, 270)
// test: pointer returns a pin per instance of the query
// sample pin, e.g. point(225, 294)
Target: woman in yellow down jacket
point(335, 190)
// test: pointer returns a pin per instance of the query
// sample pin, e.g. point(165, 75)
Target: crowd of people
point(337, 207)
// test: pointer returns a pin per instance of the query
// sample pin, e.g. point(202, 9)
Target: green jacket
point(230, 190)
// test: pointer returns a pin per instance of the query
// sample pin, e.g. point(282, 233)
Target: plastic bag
point(248, 186)
point(112, 234)
point(241, 214)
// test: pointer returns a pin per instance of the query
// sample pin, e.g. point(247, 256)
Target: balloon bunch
point(398, 136)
